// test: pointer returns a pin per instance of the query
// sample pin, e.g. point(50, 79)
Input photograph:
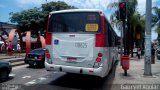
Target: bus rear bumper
point(72, 69)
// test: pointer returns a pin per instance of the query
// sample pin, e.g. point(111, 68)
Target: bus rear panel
point(76, 43)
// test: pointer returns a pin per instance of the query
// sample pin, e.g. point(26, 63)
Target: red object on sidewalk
point(125, 62)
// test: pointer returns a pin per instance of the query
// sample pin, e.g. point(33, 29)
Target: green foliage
point(135, 24)
point(132, 15)
point(158, 29)
point(156, 18)
point(36, 19)
point(27, 19)
point(137, 21)
point(157, 12)
point(131, 8)
point(55, 6)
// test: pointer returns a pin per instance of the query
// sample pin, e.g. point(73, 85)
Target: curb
point(17, 60)
point(14, 65)
point(9, 58)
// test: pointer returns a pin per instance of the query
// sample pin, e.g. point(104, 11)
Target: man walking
point(18, 49)
point(139, 52)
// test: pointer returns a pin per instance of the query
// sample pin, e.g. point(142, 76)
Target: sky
point(7, 6)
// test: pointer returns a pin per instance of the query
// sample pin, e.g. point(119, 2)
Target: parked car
point(5, 70)
point(36, 57)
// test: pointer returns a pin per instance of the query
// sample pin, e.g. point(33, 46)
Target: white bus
point(80, 41)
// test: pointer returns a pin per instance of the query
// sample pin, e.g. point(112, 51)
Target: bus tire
point(112, 66)
point(4, 75)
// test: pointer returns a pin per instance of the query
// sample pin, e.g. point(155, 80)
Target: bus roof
point(76, 10)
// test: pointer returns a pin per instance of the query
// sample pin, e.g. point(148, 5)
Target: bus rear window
point(75, 22)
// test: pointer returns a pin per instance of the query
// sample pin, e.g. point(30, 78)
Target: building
point(5, 28)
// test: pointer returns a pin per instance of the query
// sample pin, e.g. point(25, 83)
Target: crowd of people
point(138, 51)
point(153, 52)
point(12, 49)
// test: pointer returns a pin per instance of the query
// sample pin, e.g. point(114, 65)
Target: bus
point(80, 41)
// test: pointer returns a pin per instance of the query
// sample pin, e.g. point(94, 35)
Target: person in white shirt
point(18, 49)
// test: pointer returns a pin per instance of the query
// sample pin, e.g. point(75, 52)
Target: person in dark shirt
point(138, 52)
point(152, 54)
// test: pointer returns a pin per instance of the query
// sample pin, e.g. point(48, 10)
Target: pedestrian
point(139, 52)
point(18, 49)
point(9, 48)
point(152, 54)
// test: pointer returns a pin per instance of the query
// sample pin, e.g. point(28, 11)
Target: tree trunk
point(133, 36)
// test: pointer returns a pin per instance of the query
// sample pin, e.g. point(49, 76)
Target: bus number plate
point(71, 59)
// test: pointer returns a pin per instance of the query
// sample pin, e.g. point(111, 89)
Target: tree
point(53, 6)
point(157, 12)
point(36, 19)
point(156, 20)
point(27, 19)
point(132, 21)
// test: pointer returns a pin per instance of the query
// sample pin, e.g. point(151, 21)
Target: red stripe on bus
point(102, 24)
point(100, 37)
point(48, 35)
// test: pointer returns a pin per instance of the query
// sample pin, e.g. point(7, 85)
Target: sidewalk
point(15, 61)
point(136, 71)
point(5, 56)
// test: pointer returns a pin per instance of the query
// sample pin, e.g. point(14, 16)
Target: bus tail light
point(99, 40)
point(100, 54)
point(48, 38)
point(98, 59)
point(100, 36)
point(48, 56)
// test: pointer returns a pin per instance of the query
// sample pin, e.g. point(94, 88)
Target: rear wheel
point(4, 75)
point(41, 65)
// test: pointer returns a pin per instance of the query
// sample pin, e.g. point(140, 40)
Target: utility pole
point(122, 17)
point(147, 61)
point(121, 43)
point(124, 37)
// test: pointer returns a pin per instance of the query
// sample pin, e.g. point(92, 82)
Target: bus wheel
point(4, 75)
point(112, 66)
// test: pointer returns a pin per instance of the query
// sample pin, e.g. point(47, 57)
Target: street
point(39, 78)
point(72, 44)
point(24, 77)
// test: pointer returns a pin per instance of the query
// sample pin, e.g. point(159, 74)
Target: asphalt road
point(25, 77)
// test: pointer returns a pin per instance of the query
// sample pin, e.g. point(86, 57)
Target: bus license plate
point(71, 59)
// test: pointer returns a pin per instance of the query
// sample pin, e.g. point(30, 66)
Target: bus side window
point(113, 39)
point(116, 40)
point(110, 37)
point(106, 34)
